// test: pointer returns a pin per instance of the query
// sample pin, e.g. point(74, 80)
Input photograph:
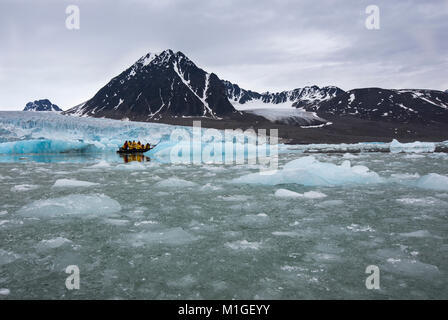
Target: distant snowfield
point(281, 112)
point(258, 104)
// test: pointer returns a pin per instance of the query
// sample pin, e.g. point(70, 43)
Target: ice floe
point(4, 292)
point(243, 245)
point(417, 234)
point(254, 220)
point(413, 147)
point(172, 236)
point(76, 204)
point(53, 243)
point(310, 172)
point(174, 182)
point(284, 193)
point(433, 181)
point(7, 257)
point(24, 187)
point(72, 183)
point(101, 164)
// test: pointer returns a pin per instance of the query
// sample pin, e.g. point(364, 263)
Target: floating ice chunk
point(291, 234)
point(175, 182)
point(324, 257)
point(101, 164)
point(23, 187)
point(52, 243)
point(420, 201)
point(411, 267)
point(145, 222)
point(330, 203)
point(414, 156)
point(77, 204)
point(72, 183)
point(243, 245)
point(131, 166)
point(117, 222)
point(173, 236)
point(433, 181)
point(4, 292)
point(349, 156)
point(310, 172)
point(184, 282)
point(2, 222)
point(284, 193)
point(417, 234)
point(413, 147)
point(314, 195)
point(237, 197)
point(7, 257)
point(357, 228)
point(254, 220)
point(404, 176)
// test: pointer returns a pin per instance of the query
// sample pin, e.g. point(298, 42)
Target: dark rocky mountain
point(403, 106)
point(159, 86)
point(41, 105)
point(300, 97)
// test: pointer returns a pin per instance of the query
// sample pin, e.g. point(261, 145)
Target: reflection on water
point(73, 158)
point(138, 157)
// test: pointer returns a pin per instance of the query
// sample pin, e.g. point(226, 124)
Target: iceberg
point(53, 243)
point(76, 204)
point(72, 183)
point(308, 171)
point(433, 181)
point(175, 182)
point(284, 193)
point(171, 236)
point(413, 147)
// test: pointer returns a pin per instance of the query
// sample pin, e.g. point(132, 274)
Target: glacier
point(49, 133)
point(25, 132)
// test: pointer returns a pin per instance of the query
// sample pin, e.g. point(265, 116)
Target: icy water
point(152, 230)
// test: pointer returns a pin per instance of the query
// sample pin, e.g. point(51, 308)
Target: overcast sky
point(262, 45)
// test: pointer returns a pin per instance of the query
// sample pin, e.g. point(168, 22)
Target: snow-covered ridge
point(298, 97)
point(378, 104)
point(165, 84)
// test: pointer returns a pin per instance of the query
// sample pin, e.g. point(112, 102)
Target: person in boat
point(139, 146)
point(147, 146)
point(125, 145)
point(133, 145)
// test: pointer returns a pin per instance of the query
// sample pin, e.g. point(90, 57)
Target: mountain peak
point(159, 85)
point(41, 105)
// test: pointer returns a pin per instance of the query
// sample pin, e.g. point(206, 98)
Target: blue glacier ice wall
point(23, 132)
point(28, 133)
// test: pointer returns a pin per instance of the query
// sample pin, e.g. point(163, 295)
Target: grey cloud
point(259, 44)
